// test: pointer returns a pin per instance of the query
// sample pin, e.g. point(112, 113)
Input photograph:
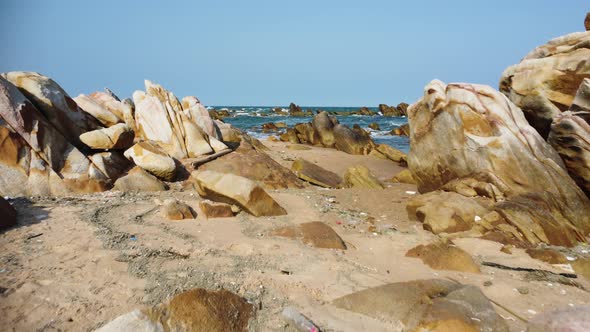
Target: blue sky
point(324, 53)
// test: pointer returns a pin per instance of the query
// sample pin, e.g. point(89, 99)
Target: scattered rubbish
point(532, 312)
point(487, 283)
point(133, 238)
point(34, 236)
point(338, 222)
point(302, 323)
point(477, 218)
point(286, 272)
point(571, 259)
point(411, 192)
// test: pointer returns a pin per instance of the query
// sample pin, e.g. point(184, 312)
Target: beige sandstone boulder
point(361, 177)
point(194, 110)
point(36, 158)
point(290, 136)
point(315, 174)
point(570, 137)
point(8, 214)
point(149, 157)
point(119, 136)
point(113, 164)
point(352, 141)
point(174, 209)
point(444, 256)
point(194, 310)
point(307, 134)
point(316, 234)
point(215, 209)
point(55, 104)
point(160, 118)
point(324, 125)
point(471, 138)
point(138, 180)
point(545, 82)
point(427, 305)
point(92, 107)
point(233, 189)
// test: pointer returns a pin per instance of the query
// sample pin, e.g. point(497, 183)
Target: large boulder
point(233, 189)
point(8, 214)
point(444, 256)
point(307, 134)
point(36, 159)
point(324, 125)
point(427, 305)
point(119, 136)
point(194, 310)
point(55, 104)
point(149, 157)
point(255, 165)
point(113, 164)
point(94, 108)
point(313, 173)
point(570, 136)
point(471, 136)
point(194, 110)
point(545, 82)
point(107, 108)
point(160, 118)
point(352, 141)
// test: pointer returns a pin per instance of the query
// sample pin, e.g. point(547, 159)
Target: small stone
point(487, 283)
point(215, 209)
point(522, 290)
point(176, 210)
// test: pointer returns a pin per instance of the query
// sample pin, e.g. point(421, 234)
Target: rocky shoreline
point(152, 213)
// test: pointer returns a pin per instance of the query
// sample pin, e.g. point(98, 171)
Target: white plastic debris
point(477, 218)
point(411, 192)
point(532, 312)
point(570, 258)
point(565, 267)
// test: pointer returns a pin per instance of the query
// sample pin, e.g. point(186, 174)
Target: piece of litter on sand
point(411, 192)
point(133, 238)
point(477, 218)
point(569, 258)
point(302, 323)
point(34, 236)
point(507, 317)
point(286, 272)
point(532, 312)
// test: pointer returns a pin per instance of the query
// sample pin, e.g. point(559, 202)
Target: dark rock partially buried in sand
point(315, 174)
point(215, 209)
point(427, 305)
point(193, 310)
point(7, 213)
point(316, 234)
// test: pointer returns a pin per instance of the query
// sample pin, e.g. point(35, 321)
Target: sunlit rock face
point(471, 139)
point(545, 82)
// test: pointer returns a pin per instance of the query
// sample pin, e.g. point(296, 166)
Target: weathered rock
point(138, 180)
point(404, 176)
point(290, 136)
point(446, 212)
point(315, 174)
point(295, 110)
point(215, 209)
point(402, 108)
point(470, 136)
point(403, 130)
point(587, 22)
point(324, 126)
point(544, 83)
point(174, 209)
point(149, 157)
point(570, 319)
point(392, 153)
point(94, 108)
point(361, 177)
point(547, 255)
point(570, 137)
point(37, 159)
point(316, 234)
point(194, 110)
point(427, 305)
point(233, 189)
point(374, 126)
point(351, 141)
point(307, 134)
point(160, 118)
point(364, 111)
point(8, 214)
point(113, 164)
point(582, 267)
point(387, 110)
point(581, 101)
point(119, 136)
point(194, 310)
point(298, 147)
point(254, 165)
point(55, 104)
point(444, 256)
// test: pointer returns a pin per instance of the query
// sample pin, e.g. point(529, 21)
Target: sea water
point(251, 119)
